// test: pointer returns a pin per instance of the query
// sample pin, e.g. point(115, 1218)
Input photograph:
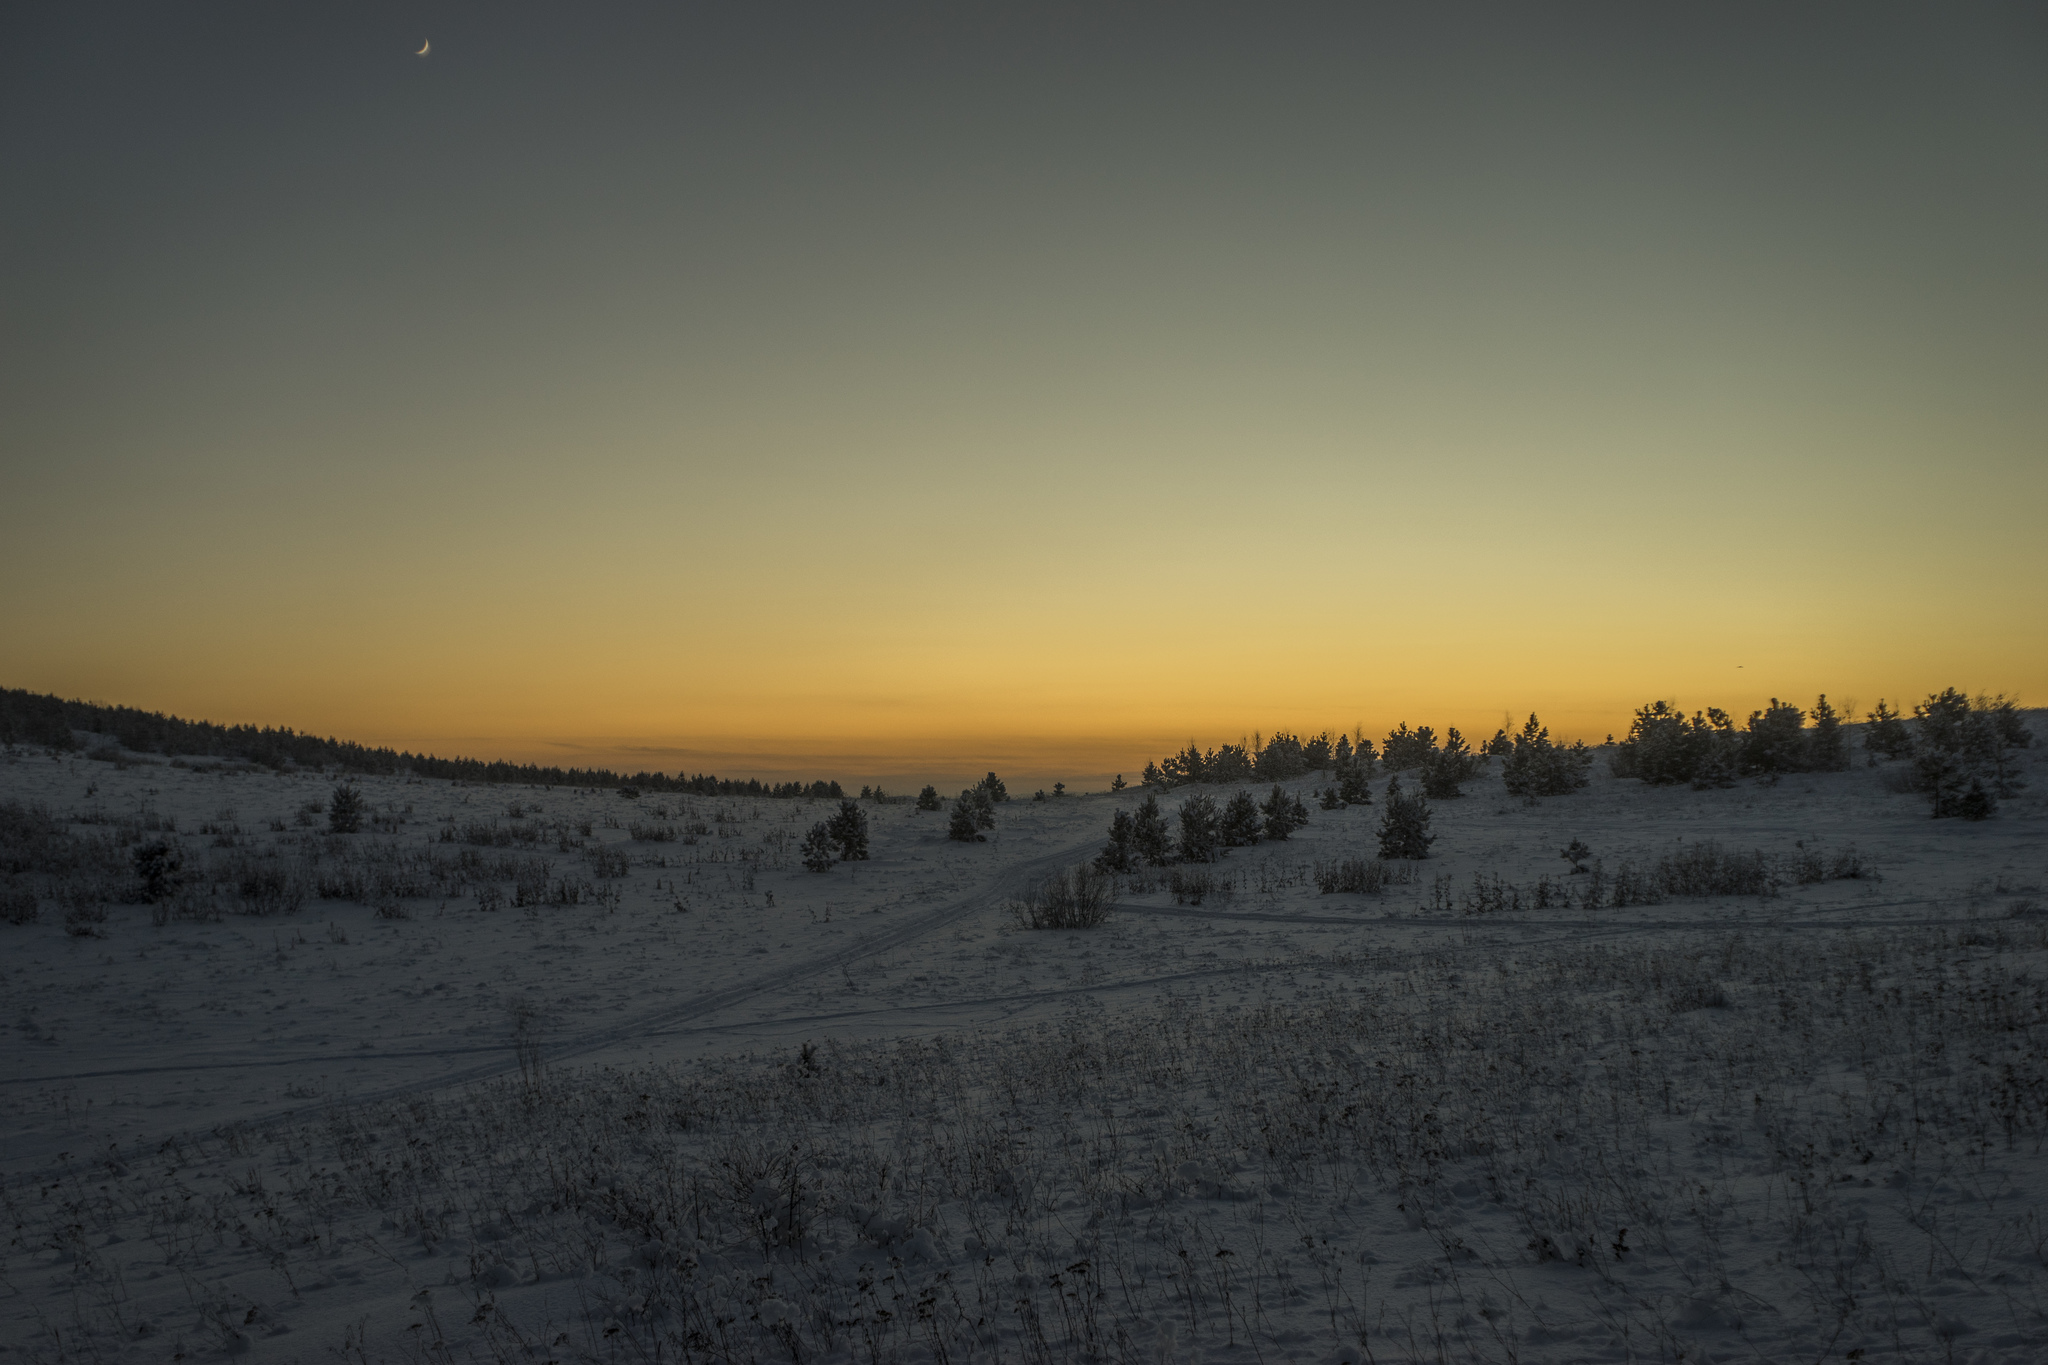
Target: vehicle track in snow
point(500, 1058)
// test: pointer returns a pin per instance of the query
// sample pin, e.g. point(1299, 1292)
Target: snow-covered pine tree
point(1284, 813)
point(1404, 823)
point(1120, 853)
point(849, 831)
point(820, 849)
point(1241, 826)
point(1198, 829)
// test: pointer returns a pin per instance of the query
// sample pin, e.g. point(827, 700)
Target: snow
point(720, 1108)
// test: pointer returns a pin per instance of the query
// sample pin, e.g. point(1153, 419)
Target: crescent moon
point(423, 48)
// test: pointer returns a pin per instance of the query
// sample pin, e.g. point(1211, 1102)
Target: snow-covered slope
point(691, 1101)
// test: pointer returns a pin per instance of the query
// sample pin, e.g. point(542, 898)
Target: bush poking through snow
point(1077, 897)
point(1359, 876)
point(1404, 823)
point(345, 809)
point(928, 799)
point(85, 919)
point(18, 905)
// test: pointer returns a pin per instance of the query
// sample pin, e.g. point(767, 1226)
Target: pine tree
point(974, 812)
point(1404, 824)
point(928, 799)
point(1664, 748)
point(157, 864)
point(849, 832)
point(1231, 763)
point(1825, 751)
point(1282, 758)
point(1149, 836)
point(1198, 829)
point(820, 850)
point(1354, 783)
point(1117, 783)
point(993, 785)
point(1241, 825)
point(1407, 748)
point(1284, 813)
point(1536, 767)
point(1446, 769)
point(1119, 854)
point(345, 807)
point(1886, 734)
point(1774, 742)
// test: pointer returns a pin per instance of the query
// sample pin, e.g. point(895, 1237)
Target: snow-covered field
point(689, 1101)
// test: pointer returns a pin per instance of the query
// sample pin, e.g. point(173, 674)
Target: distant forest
point(35, 718)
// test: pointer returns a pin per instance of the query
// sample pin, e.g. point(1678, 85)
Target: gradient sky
point(906, 389)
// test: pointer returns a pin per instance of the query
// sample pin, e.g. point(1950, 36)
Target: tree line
point(39, 718)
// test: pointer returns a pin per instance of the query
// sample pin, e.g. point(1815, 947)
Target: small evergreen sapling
point(345, 809)
point(157, 864)
point(1407, 748)
point(849, 831)
point(1284, 813)
point(1199, 829)
point(1149, 836)
point(1825, 751)
point(1404, 824)
point(1242, 825)
point(1444, 772)
point(820, 850)
point(1120, 853)
point(994, 788)
point(1576, 854)
point(1536, 767)
point(1117, 783)
point(1775, 741)
point(973, 813)
point(1885, 733)
point(928, 799)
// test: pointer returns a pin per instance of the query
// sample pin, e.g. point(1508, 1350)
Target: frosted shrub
point(1075, 897)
